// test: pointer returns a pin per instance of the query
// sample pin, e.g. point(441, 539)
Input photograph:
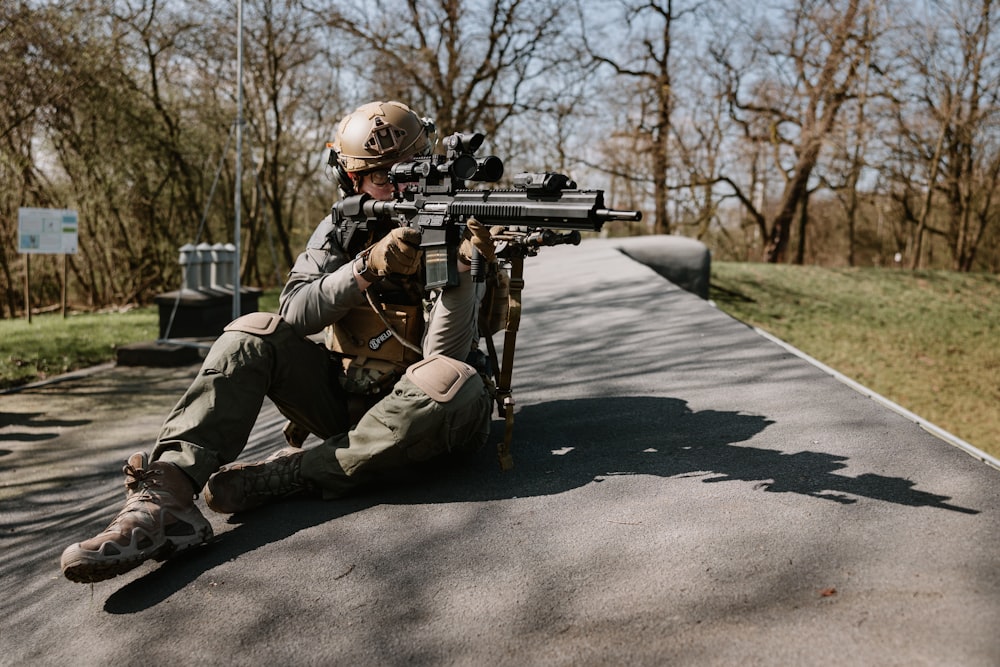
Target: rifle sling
point(505, 400)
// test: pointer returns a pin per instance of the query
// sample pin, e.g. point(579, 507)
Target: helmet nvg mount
point(380, 134)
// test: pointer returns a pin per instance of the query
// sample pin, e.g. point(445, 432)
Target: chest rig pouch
point(373, 356)
point(362, 333)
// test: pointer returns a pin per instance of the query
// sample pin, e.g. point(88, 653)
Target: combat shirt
point(321, 289)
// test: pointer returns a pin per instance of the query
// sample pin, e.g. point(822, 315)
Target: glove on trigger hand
point(398, 252)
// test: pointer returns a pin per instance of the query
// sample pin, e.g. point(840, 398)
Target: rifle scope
point(460, 163)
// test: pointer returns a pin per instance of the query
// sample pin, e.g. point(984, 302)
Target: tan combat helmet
point(379, 134)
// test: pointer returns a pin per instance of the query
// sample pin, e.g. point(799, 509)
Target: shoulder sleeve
point(321, 286)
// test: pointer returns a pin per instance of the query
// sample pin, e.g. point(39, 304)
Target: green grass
point(51, 345)
point(927, 340)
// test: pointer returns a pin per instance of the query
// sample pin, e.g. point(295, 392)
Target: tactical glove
point(398, 252)
point(479, 238)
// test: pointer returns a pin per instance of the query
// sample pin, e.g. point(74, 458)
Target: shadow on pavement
point(560, 446)
point(33, 420)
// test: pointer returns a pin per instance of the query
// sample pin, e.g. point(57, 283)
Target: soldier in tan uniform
point(376, 403)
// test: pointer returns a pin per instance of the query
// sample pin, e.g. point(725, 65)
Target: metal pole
point(239, 158)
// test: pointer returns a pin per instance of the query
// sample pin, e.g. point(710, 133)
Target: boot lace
point(140, 478)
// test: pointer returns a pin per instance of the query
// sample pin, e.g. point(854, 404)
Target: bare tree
point(787, 95)
point(288, 113)
point(703, 144)
point(946, 122)
point(853, 137)
point(650, 61)
point(468, 64)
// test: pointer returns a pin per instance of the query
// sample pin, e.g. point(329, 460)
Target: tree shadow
point(562, 445)
point(33, 420)
point(559, 446)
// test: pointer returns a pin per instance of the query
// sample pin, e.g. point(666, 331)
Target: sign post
point(27, 287)
point(45, 231)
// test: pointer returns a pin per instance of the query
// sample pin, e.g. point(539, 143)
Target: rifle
point(432, 197)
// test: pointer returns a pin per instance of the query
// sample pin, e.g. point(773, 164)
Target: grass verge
point(51, 344)
point(926, 340)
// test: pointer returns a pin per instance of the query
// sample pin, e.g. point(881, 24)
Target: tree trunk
point(800, 251)
point(795, 190)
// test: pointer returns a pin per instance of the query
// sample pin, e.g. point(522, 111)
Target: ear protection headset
point(340, 175)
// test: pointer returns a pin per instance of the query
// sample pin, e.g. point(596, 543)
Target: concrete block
point(684, 261)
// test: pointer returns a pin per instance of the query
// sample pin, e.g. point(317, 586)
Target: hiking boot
point(159, 520)
point(243, 486)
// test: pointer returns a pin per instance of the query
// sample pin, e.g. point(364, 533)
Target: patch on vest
point(375, 343)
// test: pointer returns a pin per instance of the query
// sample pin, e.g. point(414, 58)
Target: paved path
point(686, 492)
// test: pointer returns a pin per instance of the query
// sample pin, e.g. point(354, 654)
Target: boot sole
point(87, 567)
point(225, 492)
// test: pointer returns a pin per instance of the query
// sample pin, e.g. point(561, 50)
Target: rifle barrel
point(612, 214)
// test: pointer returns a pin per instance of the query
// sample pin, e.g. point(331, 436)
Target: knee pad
point(440, 377)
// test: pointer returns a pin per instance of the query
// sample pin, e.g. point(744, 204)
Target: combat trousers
point(211, 423)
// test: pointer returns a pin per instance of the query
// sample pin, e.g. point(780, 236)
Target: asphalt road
point(685, 492)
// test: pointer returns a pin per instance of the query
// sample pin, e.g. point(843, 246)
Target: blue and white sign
point(47, 231)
